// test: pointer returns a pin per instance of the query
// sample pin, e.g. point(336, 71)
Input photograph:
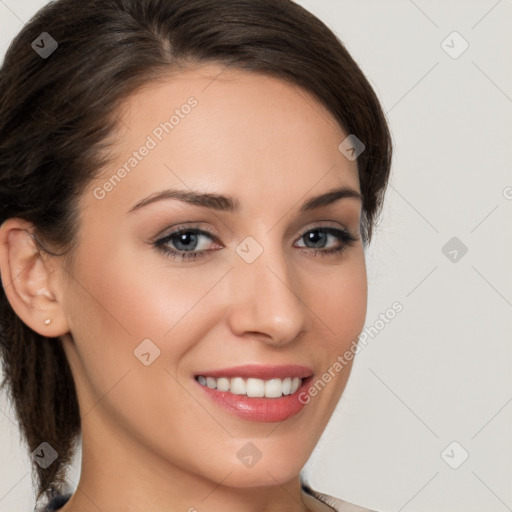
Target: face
point(171, 296)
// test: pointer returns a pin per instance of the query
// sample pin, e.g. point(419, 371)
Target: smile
point(260, 393)
point(252, 387)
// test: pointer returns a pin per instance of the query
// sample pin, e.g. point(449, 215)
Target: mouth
point(257, 393)
point(253, 387)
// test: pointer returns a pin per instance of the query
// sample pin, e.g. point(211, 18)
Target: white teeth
point(223, 384)
point(272, 388)
point(255, 387)
point(287, 386)
point(238, 386)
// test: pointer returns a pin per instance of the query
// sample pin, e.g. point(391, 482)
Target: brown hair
point(57, 112)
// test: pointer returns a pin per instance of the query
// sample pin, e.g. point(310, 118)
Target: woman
point(187, 190)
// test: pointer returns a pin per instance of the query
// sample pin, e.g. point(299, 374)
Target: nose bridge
point(265, 293)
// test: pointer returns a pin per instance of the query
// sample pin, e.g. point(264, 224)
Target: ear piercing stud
point(47, 321)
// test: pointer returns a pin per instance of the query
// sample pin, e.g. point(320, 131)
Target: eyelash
point(343, 235)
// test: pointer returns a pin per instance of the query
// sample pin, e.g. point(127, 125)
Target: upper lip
point(264, 372)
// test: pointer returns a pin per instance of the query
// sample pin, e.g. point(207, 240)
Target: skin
point(151, 440)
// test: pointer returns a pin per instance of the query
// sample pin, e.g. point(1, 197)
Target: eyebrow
point(226, 203)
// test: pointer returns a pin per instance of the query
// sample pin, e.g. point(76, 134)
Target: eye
point(187, 243)
point(320, 236)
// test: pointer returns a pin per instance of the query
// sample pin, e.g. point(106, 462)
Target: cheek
point(341, 310)
point(116, 305)
point(339, 299)
point(125, 299)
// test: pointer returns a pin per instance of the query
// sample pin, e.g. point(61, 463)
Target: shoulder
point(320, 502)
point(55, 503)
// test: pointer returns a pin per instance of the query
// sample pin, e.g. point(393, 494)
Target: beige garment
point(319, 502)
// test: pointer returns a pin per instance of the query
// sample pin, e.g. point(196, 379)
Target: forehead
point(230, 131)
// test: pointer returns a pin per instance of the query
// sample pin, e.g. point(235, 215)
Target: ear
point(27, 279)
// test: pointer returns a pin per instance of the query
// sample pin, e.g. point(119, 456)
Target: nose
point(265, 299)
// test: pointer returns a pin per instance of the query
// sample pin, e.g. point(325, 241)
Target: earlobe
point(25, 271)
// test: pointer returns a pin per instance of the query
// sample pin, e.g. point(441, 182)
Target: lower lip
point(262, 409)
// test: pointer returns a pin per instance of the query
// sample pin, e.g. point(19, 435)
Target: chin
point(267, 467)
point(260, 475)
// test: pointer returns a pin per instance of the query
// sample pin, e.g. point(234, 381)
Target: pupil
point(316, 236)
point(184, 236)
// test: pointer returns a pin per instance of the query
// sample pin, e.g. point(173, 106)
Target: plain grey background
point(424, 424)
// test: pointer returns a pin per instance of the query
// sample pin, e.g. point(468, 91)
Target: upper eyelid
point(179, 227)
point(324, 224)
